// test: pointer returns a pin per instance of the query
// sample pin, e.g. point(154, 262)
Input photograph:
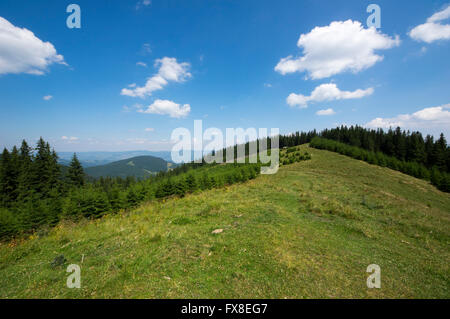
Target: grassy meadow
point(309, 231)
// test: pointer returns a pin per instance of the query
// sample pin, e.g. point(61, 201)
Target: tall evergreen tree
point(9, 173)
point(76, 173)
point(25, 175)
point(46, 171)
point(439, 152)
point(5, 177)
point(14, 172)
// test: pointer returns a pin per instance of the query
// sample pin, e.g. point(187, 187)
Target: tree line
point(403, 145)
point(36, 192)
point(438, 178)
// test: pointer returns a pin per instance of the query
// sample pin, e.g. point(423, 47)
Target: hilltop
point(139, 167)
point(309, 231)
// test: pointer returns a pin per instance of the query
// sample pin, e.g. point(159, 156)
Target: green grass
point(310, 231)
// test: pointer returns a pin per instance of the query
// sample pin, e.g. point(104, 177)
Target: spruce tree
point(76, 173)
point(14, 168)
point(9, 175)
point(191, 183)
point(40, 178)
point(5, 177)
point(46, 170)
point(439, 151)
point(180, 188)
point(25, 175)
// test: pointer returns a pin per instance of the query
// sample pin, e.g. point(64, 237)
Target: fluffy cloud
point(166, 107)
point(433, 118)
point(169, 70)
point(22, 52)
point(141, 64)
point(342, 46)
point(326, 112)
point(326, 92)
point(47, 97)
point(433, 30)
point(149, 129)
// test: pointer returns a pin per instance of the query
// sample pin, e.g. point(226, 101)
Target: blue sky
point(220, 58)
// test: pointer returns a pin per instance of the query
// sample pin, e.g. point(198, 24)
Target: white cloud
point(433, 30)
point(441, 15)
point(434, 118)
point(267, 85)
point(149, 129)
point(342, 46)
point(326, 112)
point(47, 97)
point(166, 107)
point(141, 64)
point(326, 92)
point(70, 139)
point(22, 52)
point(169, 70)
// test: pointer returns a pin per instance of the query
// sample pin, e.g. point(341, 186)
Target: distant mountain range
point(138, 166)
point(90, 159)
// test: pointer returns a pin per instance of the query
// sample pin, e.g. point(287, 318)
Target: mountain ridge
point(138, 166)
point(98, 158)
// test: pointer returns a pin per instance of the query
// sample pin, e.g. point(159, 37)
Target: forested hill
point(139, 167)
point(97, 158)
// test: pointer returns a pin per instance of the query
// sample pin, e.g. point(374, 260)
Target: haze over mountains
point(138, 166)
point(96, 158)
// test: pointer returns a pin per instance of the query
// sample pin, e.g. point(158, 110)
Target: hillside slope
point(139, 167)
point(310, 231)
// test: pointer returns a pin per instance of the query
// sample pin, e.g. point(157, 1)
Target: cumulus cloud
point(166, 107)
point(433, 30)
point(169, 70)
point(326, 112)
point(149, 129)
point(434, 118)
point(326, 92)
point(141, 64)
point(47, 97)
point(340, 47)
point(22, 52)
